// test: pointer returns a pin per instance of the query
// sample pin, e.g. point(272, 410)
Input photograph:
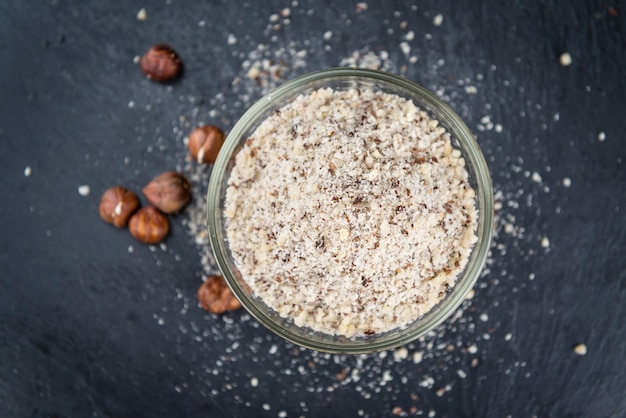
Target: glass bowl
point(343, 78)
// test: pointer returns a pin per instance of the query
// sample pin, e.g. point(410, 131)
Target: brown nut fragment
point(205, 143)
point(149, 225)
point(216, 297)
point(117, 205)
point(161, 63)
point(169, 191)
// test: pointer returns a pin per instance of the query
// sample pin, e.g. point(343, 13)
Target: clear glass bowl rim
point(426, 101)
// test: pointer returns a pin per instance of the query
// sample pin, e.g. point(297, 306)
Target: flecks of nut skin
point(205, 143)
point(117, 205)
point(216, 297)
point(149, 225)
point(169, 192)
point(161, 63)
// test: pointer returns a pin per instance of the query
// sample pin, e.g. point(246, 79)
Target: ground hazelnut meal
point(350, 212)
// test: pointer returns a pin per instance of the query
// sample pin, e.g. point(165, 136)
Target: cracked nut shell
point(169, 192)
point(149, 225)
point(205, 143)
point(117, 205)
point(216, 297)
point(161, 63)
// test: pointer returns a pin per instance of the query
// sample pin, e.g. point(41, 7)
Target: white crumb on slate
point(601, 136)
point(405, 48)
point(27, 171)
point(567, 182)
point(142, 14)
point(232, 39)
point(580, 349)
point(471, 89)
point(84, 190)
point(545, 242)
point(327, 35)
point(361, 7)
point(438, 20)
point(536, 177)
point(565, 59)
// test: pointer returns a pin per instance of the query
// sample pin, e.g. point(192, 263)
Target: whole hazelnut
point(117, 205)
point(161, 63)
point(149, 225)
point(216, 297)
point(205, 143)
point(169, 191)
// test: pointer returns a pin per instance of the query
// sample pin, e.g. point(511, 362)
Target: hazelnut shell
point(169, 192)
point(149, 225)
point(161, 63)
point(117, 205)
point(205, 143)
point(216, 297)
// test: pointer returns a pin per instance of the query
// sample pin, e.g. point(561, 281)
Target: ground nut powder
point(350, 212)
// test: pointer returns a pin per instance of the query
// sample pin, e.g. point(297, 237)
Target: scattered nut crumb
point(472, 349)
point(567, 182)
point(405, 48)
point(27, 171)
point(601, 136)
point(545, 242)
point(536, 177)
point(580, 349)
point(438, 20)
point(254, 382)
point(84, 190)
point(471, 89)
point(400, 354)
point(327, 35)
point(418, 356)
point(142, 14)
point(232, 39)
point(286, 12)
point(361, 7)
point(565, 59)
point(508, 337)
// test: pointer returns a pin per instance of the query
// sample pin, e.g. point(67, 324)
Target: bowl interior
point(340, 79)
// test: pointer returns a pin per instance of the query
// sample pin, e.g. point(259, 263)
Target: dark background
point(89, 328)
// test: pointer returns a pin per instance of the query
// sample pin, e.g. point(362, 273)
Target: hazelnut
point(205, 143)
point(216, 297)
point(117, 205)
point(161, 63)
point(149, 225)
point(169, 192)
